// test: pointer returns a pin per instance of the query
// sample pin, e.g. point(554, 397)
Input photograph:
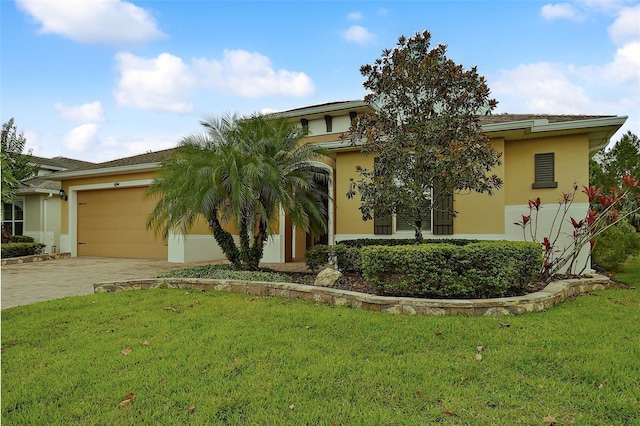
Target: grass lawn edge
point(554, 293)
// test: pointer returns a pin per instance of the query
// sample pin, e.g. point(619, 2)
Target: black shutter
point(328, 120)
point(443, 211)
point(545, 171)
point(382, 225)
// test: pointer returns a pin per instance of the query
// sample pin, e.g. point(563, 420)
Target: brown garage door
point(111, 223)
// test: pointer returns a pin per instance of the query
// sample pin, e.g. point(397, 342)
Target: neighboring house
point(36, 207)
point(543, 155)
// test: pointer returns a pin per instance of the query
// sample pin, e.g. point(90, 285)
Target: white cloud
point(354, 16)
point(85, 113)
point(93, 21)
point(358, 34)
point(626, 27)
point(250, 74)
point(166, 82)
point(625, 67)
point(560, 11)
point(540, 88)
point(80, 138)
point(161, 84)
point(110, 148)
point(33, 141)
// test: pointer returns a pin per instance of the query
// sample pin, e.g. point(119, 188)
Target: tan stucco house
point(543, 155)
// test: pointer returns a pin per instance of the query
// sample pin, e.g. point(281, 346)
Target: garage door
point(111, 223)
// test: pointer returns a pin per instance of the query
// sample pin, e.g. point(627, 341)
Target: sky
point(97, 80)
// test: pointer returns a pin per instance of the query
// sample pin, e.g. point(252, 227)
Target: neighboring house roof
point(62, 163)
point(50, 166)
point(521, 126)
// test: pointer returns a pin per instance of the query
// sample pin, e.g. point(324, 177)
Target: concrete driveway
point(27, 283)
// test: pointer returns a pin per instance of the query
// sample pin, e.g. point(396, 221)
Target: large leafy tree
point(424, 131)
point(239, 173)
point(607, 168)
point(16, 164)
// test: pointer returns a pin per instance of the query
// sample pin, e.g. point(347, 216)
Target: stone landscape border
point(553, 293)
point(34, 258)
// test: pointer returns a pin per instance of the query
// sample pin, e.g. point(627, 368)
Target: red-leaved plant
point(605, 210)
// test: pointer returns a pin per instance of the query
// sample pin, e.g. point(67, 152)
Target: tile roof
point(507, 118)
point(155, 157)
point(146, 158)
point(61, 162)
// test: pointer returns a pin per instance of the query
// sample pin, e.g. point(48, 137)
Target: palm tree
point(240, 172)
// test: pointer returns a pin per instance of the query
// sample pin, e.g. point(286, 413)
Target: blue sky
point(102, 79)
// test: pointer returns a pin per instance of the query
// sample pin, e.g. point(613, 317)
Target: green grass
point(630, 273)
point(242, 359)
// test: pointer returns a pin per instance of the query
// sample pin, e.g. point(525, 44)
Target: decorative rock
point(327, 277)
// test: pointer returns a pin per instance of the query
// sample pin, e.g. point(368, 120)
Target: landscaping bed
point(356, 282)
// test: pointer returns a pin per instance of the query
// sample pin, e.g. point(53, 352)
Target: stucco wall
point(482, 214)
point(571, 165)
point(348, 216)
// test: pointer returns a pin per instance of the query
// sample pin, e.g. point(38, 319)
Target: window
point(439, 221)
point(382, 225)
point(545, 171)
point(13, 217)
point(404, 223)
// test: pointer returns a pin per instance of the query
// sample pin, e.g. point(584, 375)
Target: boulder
point(327, 277)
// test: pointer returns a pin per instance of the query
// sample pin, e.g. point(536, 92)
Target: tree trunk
point(257, 250)
point(225, 241)
point(245, 249)
point(418, 231)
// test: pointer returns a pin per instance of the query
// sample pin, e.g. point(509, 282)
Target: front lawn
point(630, 273)
point(219, 358)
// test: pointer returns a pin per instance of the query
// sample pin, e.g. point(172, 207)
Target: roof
point(508, 118)
point(600, 128)
point(146, 158)
point(62, 163)
point(44, 184)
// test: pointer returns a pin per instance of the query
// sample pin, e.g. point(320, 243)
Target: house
point(543, 155)
point(35, 209)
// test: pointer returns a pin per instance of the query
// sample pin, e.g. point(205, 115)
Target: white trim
point(514, 213)
point(273, 249)
point(282, 232)
point(194, 248)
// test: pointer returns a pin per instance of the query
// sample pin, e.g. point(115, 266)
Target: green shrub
point(478, 270)
point(21, 249)
point(615, 245)
point(493, 267)
point(21, 239)
point(347, 258)
point(317, 256)
point(364, 242)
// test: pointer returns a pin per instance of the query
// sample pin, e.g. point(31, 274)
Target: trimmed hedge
point(347, 259)
point(21, 249)
point(365, 242)
point(21, 239)
point(479, 270)
point(346, 254)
